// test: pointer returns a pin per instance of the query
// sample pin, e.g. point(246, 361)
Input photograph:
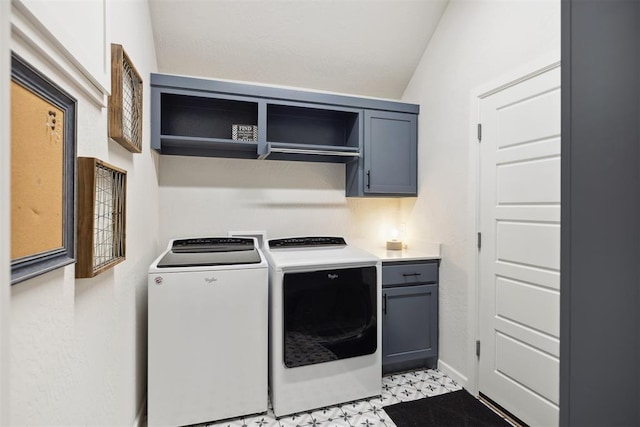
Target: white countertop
point(415, 251)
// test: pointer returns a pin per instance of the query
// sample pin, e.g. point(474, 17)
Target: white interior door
point(519, 259)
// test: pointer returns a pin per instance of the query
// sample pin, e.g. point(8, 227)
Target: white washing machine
point(208, 334)
point(325, 323)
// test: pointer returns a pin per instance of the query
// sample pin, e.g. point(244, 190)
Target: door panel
point(521, 302)
point(529, 182)
point(535, 150)
point(528, 366)
point(537, 339)
point(528, 118)
point(519, 262)
point(545, 278)
point(542, 248)
point(390, 152)
point(410, 323)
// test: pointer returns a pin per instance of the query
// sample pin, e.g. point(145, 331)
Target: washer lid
point(210, 251)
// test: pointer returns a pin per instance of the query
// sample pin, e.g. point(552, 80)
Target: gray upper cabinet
point(376, 139)
point(391, 144)
point(389, 164)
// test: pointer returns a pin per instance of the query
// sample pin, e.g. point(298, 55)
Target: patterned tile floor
point(362, 413)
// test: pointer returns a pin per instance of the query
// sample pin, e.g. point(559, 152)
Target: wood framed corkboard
point(43, 150)
point(36, 174)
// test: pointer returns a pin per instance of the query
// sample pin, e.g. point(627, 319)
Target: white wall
point(5, 197)
point(476, 42)
point(78, 347)
point(209, 196)
point(91, 52)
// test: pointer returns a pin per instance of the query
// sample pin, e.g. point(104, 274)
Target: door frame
point(510, 78)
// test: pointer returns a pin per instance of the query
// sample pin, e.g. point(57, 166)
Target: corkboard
point(37, 174)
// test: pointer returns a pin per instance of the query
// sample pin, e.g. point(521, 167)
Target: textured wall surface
point(5, 197)
point(475, 43)
point(78, 347)
point(200, 196)
point(365, 47)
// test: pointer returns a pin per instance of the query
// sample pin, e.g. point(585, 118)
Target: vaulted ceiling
point(363, 47)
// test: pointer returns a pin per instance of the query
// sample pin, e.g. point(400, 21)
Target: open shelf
point(202, 117)
point(299, 132)
point(195, 146)
point(311, 126)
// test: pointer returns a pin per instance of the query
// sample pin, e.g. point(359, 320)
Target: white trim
point(509, 79)
point(517, 75)
point(453, 374)
point(520, 80)
point(106, 42)
point(474, 222)
point(141, 417)
point(26, 27)
point(5, 212)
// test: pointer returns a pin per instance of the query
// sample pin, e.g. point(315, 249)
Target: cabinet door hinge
point(478, 349)
point(479, 240)
point(479, 132)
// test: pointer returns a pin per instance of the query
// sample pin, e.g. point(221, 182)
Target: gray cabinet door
point(409, 323)
point(390, 153)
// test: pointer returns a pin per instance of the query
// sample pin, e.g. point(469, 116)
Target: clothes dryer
point(325, 323)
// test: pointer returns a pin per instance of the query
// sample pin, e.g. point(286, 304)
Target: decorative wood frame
point(59, 120)
point(125, 101)
point(101, 216)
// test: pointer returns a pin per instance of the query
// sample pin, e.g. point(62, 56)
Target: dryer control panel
point(301, 242)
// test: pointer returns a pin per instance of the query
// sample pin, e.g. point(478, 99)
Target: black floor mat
point(455, 409)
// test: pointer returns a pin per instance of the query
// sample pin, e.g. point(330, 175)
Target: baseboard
point(140, 420)
point(452, 373)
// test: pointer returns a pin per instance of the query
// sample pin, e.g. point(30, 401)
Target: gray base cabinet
point(409, 315)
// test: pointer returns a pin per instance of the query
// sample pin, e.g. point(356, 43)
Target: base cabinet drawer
point(409, 273)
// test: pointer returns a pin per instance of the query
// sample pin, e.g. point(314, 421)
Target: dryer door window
point(329, 315)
